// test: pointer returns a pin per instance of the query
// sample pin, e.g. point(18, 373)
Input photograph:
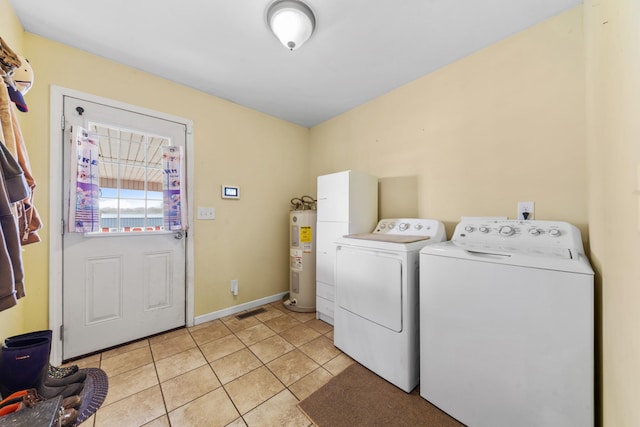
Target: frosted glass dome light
point(291, 21)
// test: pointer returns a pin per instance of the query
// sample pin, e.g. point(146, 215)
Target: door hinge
point(61, 332)
point(62, 122)
point(62, 227)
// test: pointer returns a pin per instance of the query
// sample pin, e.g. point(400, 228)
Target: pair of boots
point(24, 364)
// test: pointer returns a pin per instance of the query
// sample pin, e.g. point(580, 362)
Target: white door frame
point(56, 200)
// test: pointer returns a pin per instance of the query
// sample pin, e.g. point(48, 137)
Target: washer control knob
point(484, 229)
point(468, 229)
point(418, 227)
point(383, 225)
point(534, 232)
point(391, 226)
point(403, 226)
point(555, 232)
point(507, 230)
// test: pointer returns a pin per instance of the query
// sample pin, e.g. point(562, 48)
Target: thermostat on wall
point(230, 192)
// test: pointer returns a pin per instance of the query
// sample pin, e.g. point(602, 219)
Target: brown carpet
point(358, 397)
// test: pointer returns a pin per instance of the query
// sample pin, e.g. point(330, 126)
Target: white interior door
point(126, 281)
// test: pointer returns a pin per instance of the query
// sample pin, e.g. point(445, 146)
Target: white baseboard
point(238, 308)
point(325, 318)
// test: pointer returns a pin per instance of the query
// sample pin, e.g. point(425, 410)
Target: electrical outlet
point(234, 286)
point(525, 210)
point(206, 213)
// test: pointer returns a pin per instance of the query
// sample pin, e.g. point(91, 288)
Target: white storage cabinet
point(347, 204)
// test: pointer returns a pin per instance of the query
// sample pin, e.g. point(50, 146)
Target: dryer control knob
point(484, 229)
point(468, 229)
point(555, 232)
point(534, 232)
point(507, 230)
point(418, 227)
point(403, 226)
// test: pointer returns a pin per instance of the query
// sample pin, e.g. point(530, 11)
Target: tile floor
point(227, 372)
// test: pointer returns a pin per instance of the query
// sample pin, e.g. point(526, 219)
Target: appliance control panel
point(483, 233)
point(408, 227)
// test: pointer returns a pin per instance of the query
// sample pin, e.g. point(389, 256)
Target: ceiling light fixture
point(291, 21)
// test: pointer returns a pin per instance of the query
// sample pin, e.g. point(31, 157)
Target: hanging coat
point(11, 176)
point(28, 217)
point(11, 270)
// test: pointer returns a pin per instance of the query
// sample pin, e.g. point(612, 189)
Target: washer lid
point(510, 250)
point(557, 259)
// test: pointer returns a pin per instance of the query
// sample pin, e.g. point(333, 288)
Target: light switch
point(206, 213)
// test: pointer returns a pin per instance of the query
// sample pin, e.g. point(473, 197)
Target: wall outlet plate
point(525, 210)
point(206, 213)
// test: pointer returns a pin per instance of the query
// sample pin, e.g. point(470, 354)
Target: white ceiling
point(360, 50)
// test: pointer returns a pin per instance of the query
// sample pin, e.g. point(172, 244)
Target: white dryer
point(506, 325)
point(376, 303)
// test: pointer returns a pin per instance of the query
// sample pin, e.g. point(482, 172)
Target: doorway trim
point(56, 225)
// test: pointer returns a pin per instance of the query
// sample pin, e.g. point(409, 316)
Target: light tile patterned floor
point(227, 372)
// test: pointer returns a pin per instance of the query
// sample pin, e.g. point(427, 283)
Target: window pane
point(130, 179)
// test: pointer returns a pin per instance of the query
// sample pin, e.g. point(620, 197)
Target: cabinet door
point(333, 197)
point(327, 234)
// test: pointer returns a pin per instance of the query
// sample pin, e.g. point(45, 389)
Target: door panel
point(157, 280)
point(127, 281)
point(103, 289)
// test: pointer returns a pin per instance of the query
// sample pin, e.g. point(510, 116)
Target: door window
point(131, 197)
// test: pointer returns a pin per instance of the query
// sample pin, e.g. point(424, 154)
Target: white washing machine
point(506, 325)
point(376, 303)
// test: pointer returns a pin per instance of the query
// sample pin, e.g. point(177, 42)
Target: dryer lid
point(404, 231)
point(392, 238)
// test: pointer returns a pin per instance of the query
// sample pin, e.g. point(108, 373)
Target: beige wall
point(10, 29)
point(506, 124)
point(613, 92)
point(265, 156)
